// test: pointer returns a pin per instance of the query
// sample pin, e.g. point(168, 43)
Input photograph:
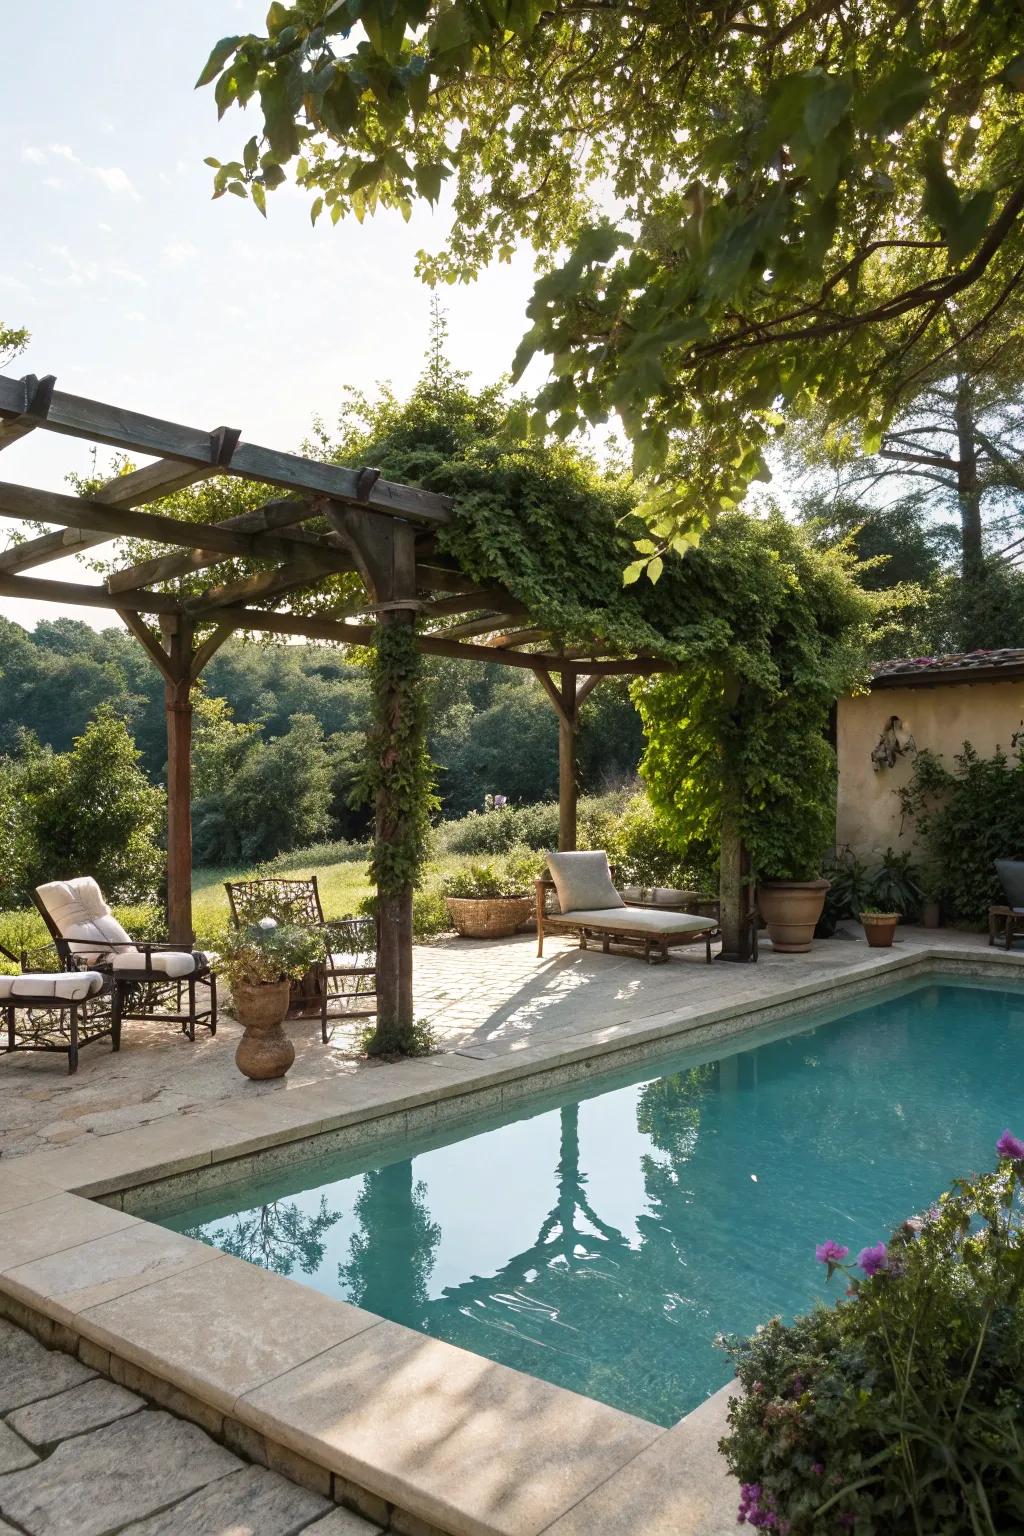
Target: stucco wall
point(940, 718)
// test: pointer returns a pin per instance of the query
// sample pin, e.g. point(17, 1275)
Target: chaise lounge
point(146, 977)
point(591, 907)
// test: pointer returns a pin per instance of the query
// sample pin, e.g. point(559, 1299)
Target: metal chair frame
point(72, 1021)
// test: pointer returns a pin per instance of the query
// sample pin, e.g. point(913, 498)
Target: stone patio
point(485, 999)
point(82, 1456)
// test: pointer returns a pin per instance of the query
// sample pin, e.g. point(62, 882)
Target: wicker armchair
point(341, 987)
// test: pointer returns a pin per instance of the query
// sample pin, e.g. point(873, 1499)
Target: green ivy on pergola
point(456, 589)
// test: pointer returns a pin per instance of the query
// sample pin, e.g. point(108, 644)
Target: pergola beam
point(76, 416)
point(41, 590)
point(121, 522)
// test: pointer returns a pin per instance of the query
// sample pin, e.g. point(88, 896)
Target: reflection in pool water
point(603, 1240)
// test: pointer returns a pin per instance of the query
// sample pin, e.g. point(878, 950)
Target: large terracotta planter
point(264, 1050)
point(488, 917)
point(791, 909)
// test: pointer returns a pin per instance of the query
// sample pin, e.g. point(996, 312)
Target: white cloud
point(114, 179)
point(34, 155)
point(178, 252)
point(54, 182)
point(65, 152)
point(105, 228)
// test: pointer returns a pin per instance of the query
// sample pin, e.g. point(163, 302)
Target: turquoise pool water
point(602, 1240)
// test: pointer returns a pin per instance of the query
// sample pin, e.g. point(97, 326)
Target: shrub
point(261, 955)
point(643, 846)
point(902, 1407)
point(511, 876)
point(318, 854)
point(967, 817)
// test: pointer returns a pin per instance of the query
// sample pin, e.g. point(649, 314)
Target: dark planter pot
point(264, 1050)
point(791, 909)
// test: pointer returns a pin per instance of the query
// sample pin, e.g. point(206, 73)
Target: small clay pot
point(879, 928)
point(264, 1050)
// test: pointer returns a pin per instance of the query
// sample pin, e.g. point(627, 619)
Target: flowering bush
point(901, 1408)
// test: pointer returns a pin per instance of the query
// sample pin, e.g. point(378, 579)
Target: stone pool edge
point(431, 1439)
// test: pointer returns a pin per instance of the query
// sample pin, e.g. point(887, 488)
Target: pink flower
point(1011, 1146)
point(871, 1260)
point(830, 1252)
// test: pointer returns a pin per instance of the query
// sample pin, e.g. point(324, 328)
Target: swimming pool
point(602, 1239)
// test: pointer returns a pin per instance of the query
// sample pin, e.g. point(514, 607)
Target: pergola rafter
point(362, 524)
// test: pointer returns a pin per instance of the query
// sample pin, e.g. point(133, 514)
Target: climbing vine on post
point(398, 779)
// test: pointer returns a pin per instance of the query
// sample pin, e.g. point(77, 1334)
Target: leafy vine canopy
point(765, 205)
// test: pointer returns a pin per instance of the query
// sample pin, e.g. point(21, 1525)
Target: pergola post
point(177, 635)
point(568, 726)
point(384, 552)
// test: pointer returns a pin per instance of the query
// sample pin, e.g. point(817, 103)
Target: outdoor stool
point(58, 1011)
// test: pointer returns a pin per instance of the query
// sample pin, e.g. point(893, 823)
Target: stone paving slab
point(102, 1461)
point(89, 1406)
point(29, 1372)
point(104, 1480)
point(14, 1453)
point(249, 1502)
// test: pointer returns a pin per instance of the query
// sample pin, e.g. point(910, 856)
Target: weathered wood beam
point(209, 648)
point(568, 766)
point(39, 589)
point(494, 599)
point(587, 686)
point(29, 412)
point(554, 693)
point(517, 637)
point(77, 416)
point(249, 589)
point(436, 578)
point(152, 482)
point(284, 512)
point(490, 623)
point(119, 522)
point(49, 546)
point(150, 644)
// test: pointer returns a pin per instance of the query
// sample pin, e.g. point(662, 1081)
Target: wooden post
point(734, 893)
point(177, 635)
point(384, 552)
point(568, 721)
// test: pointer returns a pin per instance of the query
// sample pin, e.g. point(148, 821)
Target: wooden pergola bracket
point(30, 412)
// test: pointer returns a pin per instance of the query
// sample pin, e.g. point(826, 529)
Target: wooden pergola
point(381, 530)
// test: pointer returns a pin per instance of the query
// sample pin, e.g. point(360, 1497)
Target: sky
point(141, 291)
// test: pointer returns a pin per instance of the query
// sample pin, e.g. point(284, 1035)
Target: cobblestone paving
point(483, 998)
point(80, 1456)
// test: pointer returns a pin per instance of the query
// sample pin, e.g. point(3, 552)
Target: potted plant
point(260, 964)
point(879, 927)
point(490, 901)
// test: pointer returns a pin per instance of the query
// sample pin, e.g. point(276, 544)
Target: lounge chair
point(1008, 919)
point(56, 1010)
point(149, 980)
point(346, 978)
point(591, 907)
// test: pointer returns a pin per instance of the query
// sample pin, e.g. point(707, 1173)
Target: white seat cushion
point(172, 963)
point(583, 881)
point(80, 915)
point(62, 986)
point(640, 918)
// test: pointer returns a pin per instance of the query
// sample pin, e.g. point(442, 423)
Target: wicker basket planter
point(488, 917)
point(879, 928)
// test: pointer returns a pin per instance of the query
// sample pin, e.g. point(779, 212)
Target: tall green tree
point(765, 206)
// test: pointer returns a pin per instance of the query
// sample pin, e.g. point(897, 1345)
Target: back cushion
point(583, 882)
point(1011, 874)
point(79, 912)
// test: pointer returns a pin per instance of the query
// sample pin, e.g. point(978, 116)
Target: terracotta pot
point(791, 909)
point(879, 928)
point(488, 917)
point(264, 1050)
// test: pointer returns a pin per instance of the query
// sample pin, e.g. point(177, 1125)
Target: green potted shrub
point(260, 963)
point(788, 847)
point(901, 1408)
point(492, 900)
point(879, 927)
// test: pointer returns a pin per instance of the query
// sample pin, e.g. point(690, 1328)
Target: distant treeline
point(280, 730)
